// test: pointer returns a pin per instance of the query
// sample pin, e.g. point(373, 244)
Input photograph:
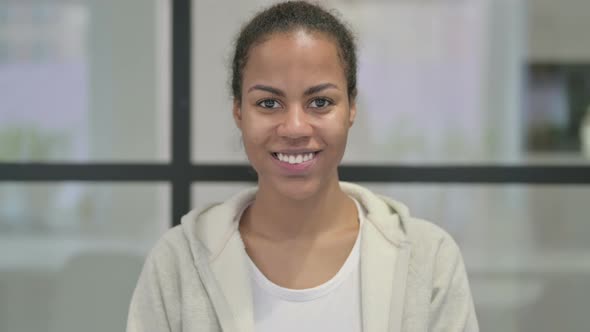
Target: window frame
point(180, 172)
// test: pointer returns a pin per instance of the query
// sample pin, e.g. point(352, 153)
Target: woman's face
point(295, 112)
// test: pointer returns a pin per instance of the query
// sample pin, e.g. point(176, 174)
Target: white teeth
point(295, 158)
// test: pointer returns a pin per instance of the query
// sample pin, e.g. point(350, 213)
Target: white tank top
point(333, 306)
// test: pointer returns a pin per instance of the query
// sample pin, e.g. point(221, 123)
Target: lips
point(295, 158)
point(295, 163)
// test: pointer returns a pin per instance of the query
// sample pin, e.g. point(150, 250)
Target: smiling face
point(295, 112)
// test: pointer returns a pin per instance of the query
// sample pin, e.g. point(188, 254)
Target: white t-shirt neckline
point(310, 294)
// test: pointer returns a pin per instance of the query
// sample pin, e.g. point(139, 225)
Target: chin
point(297, 189)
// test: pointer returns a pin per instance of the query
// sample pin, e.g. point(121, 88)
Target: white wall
point(558, 31)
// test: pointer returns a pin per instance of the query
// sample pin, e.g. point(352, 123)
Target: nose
point(295, 123)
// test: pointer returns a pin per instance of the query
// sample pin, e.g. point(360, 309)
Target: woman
point(302, 251)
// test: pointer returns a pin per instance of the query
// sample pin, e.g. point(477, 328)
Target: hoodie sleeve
point(451, 307)
point(155, 302)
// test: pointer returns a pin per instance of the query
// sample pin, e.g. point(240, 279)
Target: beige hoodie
point(196, 277)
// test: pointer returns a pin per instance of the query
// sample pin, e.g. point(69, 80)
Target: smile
point(294, 158)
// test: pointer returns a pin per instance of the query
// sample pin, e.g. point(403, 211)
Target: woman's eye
point(269, 103)
point(320, 103)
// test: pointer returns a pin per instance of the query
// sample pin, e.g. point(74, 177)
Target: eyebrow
point(267, 88)
point(318, 88)
point(310, 91)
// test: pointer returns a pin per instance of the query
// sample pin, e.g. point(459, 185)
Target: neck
point(275, 216)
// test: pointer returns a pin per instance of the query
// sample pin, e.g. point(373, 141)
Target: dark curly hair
point(286, 17)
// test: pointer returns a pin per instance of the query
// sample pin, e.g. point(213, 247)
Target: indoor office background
point(115, 119)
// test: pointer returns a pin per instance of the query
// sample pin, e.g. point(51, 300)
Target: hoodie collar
point(219, 255)
point(214, 226)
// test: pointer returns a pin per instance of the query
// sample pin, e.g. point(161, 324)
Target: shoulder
point(425, 235)
point(437, 278)
point(435, 256)
point(394, 220)
point(432, 249)
point(169, 253)
point(168, 286)
point(171, 268)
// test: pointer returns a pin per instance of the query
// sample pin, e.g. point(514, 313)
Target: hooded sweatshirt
point(197, 278)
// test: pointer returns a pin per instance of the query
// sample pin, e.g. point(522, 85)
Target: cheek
point(340, 138)
point(336, 133)
point(254, 133)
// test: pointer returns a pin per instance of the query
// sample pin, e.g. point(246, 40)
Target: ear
point(352, 112)
point(237, 113)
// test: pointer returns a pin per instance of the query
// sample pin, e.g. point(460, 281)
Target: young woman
point(302, 251)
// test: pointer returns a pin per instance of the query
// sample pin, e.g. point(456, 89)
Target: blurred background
point(441, 82)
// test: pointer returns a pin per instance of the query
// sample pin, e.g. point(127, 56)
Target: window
point(107, 110)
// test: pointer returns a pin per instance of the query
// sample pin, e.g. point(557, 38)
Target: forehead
point(297, 53)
